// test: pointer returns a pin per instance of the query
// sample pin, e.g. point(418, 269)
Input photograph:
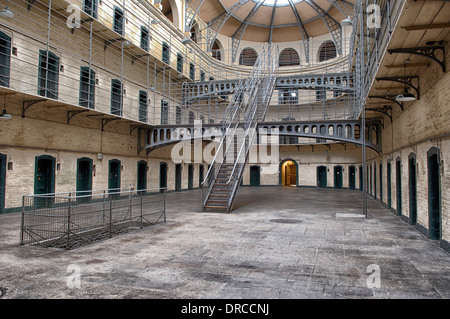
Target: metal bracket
point(106, 121)
point(71, 114)
point(133, 127)
point(134, 58)
point(407, 80)
point(81, 22)
point(30, 4)
point(109, 42)
point(427, 52)
point(27, 104)
point(384, 110)
point(389, 98)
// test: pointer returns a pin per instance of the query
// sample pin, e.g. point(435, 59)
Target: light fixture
point(346, 22)
point(7, 13)
point(154, 21)
point(186, 40)
point(405, 96)
point(5, 115)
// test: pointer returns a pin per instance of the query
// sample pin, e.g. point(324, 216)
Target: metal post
point(140, 196)
point(164, 200)
point(69, 211)
point(110, 216)
point(22, 220)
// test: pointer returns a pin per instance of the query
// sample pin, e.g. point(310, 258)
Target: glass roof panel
point(280, 3)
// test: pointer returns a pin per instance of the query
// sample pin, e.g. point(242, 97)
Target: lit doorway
point(289, 173)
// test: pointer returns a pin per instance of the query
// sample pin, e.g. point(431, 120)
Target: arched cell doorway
point(288, 172)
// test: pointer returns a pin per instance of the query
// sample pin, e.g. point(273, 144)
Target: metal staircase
point(248, 106)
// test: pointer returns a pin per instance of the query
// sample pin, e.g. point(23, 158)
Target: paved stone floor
point(294, 243)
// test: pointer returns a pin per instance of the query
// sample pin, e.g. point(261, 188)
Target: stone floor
point(294, 243)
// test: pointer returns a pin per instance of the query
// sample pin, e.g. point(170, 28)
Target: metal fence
point(70, 220)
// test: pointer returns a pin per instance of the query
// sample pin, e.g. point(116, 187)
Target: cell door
point(44, 181)
point(177, 177)
point(254, 176)
point(338, 177)
point(381, 182)
point(389, 185)
point(412, 189)
point(142, 175)
point(84, 178)
point(351, 177)
point(201, 173)
point(434, 194)
point(2, 182)
point(361, 178)
point(191, 176)
point(398, 170)
point(162, 176)
point(322, 176)
point(114, 176)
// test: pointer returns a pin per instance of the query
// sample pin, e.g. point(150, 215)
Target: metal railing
point(72, 219)
point(250, 101)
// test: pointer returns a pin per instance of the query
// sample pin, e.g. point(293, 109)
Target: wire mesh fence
point(70, 220)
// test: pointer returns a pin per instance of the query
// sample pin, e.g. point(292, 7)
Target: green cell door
point(44, 179)
point(177, 177)
point(389, 185)
point(412, 179)
point(434, 194)
point(142, 175)
point(375, 180)
point(162, 176)
point(322, 176)
point(191, 176)
point(361, 178)
point(381, 182)
point(201, 174)
point(338, 177)
point(398, 171)
point(351, 177)
point(84, 178)
point(2, 182)
point(114, 176)
point(254, 176)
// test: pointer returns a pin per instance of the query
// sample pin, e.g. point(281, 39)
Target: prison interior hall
point(111, 109)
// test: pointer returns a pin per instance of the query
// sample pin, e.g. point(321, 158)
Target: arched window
point(193, 33)
point(327, 51)
point(289, 56)
point(216, 54)
point(248, 57)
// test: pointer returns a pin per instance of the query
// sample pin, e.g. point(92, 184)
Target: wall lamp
point(405, 96)
point(346, 22)
point(6, 13)
point(5, 115)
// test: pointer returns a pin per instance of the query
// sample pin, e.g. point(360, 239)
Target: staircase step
point(216, 201)
point(221, 208)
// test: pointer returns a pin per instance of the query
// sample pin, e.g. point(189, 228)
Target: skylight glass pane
point(280, 3)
